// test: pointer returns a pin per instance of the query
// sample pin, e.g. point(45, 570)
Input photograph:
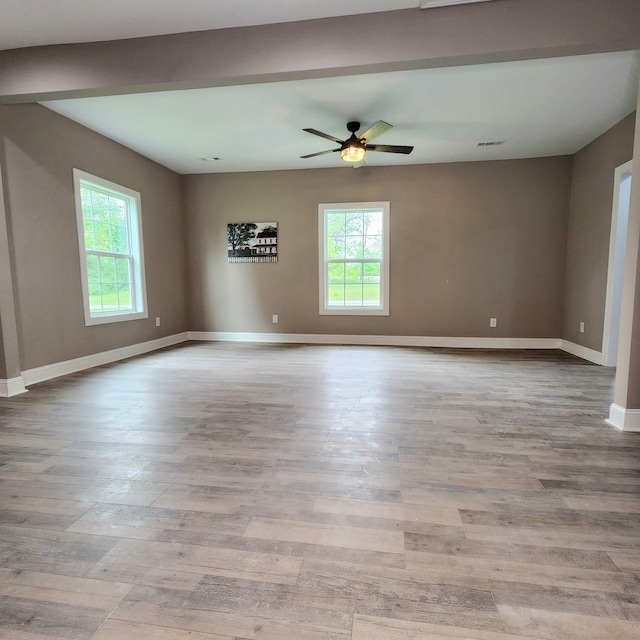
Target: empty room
point(319, 320)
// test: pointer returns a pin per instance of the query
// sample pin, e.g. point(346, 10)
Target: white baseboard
point(582, 352)
point(57, 369)
point(394, 341)
point(18, 385)
point(624, 419)
point(12, 387)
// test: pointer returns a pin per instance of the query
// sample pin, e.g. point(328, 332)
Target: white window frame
point(136, 255)
point(325, 309)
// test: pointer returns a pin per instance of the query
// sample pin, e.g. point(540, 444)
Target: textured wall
point(40, 150)
point(589, 231)
point(468, 242)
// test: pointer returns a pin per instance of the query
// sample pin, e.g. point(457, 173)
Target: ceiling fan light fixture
point(354, 148)
point(353, 153)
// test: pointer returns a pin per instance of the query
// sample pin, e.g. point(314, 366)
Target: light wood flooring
point(220, 491)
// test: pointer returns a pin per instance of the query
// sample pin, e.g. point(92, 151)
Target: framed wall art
point(252, 242)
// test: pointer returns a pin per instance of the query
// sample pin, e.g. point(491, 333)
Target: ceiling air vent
point(430, 4)
point(490, 143)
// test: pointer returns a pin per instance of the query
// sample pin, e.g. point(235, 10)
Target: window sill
point(115, 317)
point(354, 311)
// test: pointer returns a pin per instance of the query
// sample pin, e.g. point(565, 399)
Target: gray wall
point(589, 231)
point(468, 242)
point(413, 39)
point(40, 149)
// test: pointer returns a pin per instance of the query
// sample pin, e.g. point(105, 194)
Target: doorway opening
point(617, 250)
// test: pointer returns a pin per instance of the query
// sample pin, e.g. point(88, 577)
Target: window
point(354, 258)
point(111, 257)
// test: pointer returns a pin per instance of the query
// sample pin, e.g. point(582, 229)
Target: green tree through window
point(354, 265)
point(110, 238)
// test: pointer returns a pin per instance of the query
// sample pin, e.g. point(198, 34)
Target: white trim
point(582, 352)
point(57, 369)
point(12, 387)
point(342, 207)
point(624, 419)
point(609, 359)
point(136, 248)
point(394, 341)
point(29, 377)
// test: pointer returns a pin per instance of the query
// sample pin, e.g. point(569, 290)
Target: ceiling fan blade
point(389, 148)
point(374, 131)
point(324, 135)
point(320, 153)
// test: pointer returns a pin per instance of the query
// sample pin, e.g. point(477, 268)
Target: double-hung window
point(354, 258)
point(111, 252)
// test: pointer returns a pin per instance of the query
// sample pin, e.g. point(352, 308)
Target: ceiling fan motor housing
point(353, 141)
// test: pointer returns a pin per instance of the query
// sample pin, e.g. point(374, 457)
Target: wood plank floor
point(219, 492)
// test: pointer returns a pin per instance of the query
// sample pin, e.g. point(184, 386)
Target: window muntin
point(110, 243)
point(354, 264)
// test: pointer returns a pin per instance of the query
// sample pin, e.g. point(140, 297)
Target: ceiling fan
point(354, 148)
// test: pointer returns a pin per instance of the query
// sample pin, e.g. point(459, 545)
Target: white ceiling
point(538, 107)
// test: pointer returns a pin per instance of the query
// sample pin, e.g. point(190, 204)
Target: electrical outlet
point(493, 322)
point(274, 318)
point(157, 321)
point(582, 327)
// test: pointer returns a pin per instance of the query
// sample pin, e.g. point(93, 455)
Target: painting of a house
point(252, 242)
